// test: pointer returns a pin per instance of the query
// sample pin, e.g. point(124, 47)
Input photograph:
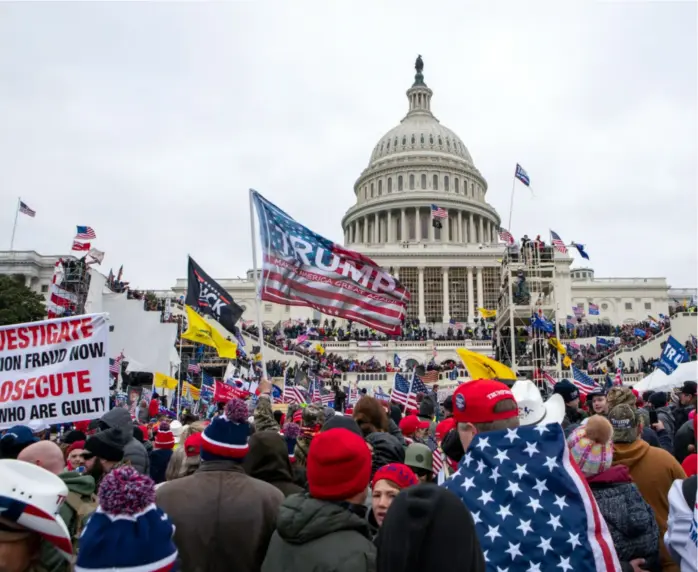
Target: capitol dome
point(417, 164)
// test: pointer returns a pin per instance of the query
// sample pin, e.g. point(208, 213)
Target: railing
point(275, 347)
point(643, 343)
point(406, 344)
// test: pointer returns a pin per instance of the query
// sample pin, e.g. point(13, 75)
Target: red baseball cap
point(444, 427)
point(409, 424)
point(474, 401)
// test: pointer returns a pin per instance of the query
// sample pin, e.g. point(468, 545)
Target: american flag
point(438, 212)
point(402, 393)
point(326, 397)
point(431, 376)
point(302, 268)
point(193, 367)
point(85, 233)
point(582, 381)
point(506, 237)
point(558, 243)
point(542, 504)
point(293, 394)
point(522, 175)
point(593, 309)
point(545, 377)
point(115, 364)
point(437, 457)
point(24, 209)
point(207, 386)
point(60, 300)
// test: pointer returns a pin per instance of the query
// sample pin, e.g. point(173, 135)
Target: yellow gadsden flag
point(202, 332)
point(164, 381)
point(193, 391)
point(482, 367)
point(487, 313)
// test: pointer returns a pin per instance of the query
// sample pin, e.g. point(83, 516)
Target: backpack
point(83, 509)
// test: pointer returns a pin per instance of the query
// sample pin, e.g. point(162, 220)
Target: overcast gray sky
point(149, 121)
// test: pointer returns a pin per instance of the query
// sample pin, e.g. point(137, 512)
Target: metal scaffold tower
point(76, 281)
point(527, 290)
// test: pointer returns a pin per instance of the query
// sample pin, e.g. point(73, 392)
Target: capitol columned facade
point(450, 271)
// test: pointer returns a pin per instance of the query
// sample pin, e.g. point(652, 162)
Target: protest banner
point(54, 370)
point(225, 392)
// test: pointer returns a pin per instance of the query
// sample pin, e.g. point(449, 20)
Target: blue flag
point(672, 356)
point(580, 249)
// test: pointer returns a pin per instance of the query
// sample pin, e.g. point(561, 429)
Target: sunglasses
point(87, 456)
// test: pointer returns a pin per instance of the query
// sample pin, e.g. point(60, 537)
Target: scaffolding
point(527, 290)
point(76, 281)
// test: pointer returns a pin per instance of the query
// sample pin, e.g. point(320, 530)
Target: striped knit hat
point(164, 438)
point(226, 438)
point(591, 445)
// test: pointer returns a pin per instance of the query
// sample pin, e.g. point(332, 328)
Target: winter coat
point(134, 451)
point(684, 437)
point(223, 517)
point(264, 416)
point(159, 459)
point(386, 449)
point(81, 488)
point(268, 461)
point(314, 535)
point(681, 532)
point(653, 470)
point(680, 414)
point(629, 518)
point(666, 416)
point(394, 430)
point(154, 408)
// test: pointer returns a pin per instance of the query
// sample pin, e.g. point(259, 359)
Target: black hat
point(108, 445)
point(689, 388)
point(658, 399)
point(342, 422)
point(567, 390)
point(448, 404)
point(71, 436)
point(598, 392)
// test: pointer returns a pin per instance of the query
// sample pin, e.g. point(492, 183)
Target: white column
point(480, 293)
point(389, 224)
point(396, 273)
point(444, 230)
point(432, 230)
point(356, 232)
point(376, 229)
point(404, 235)
point(346, 235)
point(447, 302)
point(365, 238)
point(471, 232)
point(422, 317)
point(417, 225)
point(481, 236)
point(494, 234)
point(471, 296)
point(459, 238)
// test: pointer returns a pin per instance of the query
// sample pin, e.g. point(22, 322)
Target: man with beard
point(103, 452)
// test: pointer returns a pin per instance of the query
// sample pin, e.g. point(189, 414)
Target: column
point(365, 238)
point(495, 237)
point(376, 229)
point(356, 232)
point(432, 233)
point(346, 235)
point(446, 301)
point(389, 224)
point(396, 273)
point(471, 231)
point(422, 316)
point(404, 235)
point(471, 296)
point(480, 293)
point(459, 238)
point(482, 234)
point(417, 225)
point(445, 223)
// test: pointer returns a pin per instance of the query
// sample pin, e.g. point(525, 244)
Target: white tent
point(660, 381)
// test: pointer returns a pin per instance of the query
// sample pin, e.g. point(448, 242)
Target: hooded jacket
point(386, 449)
point(134, 451)
point(312, 534)
point(629, 518)
point(653, 470)
point(268, 461)
point(684, 437)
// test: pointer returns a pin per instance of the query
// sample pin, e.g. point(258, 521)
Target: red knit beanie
point(396, 473)
point(164, 438)
point(338, 465)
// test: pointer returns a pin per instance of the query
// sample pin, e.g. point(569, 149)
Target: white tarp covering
point(660, 381)
point(148, 344)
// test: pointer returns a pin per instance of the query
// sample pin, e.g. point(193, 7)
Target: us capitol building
point(450, 271)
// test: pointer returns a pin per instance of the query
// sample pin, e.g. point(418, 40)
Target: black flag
point(436, 223)
point(205, 294)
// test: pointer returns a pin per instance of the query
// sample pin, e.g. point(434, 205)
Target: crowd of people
point(305, 487)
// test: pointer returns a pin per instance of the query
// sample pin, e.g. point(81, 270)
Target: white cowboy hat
point(532, 409)
point(31, 497)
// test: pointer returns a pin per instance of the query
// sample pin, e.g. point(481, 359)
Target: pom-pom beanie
point(127, 531)
point(164, 438)
point(226, 438)
point(338, 466)
point(591, 445)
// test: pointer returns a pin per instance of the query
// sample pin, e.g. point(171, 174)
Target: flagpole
point(14, 226)
point(179, 375)
point(511, 202)
point(256, 288)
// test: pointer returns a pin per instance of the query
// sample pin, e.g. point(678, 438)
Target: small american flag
point(506, 237)
point(431, 376)
point(402, 393)
point(438, 212)
point(558, 244)
point(437, 461)
point(194, 368)
point(527, 498)
point(85, 233)
point(115, 364)
point(24, 209)
point(293, 394)
point(582, 381)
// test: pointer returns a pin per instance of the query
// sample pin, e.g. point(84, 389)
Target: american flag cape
point(531, 505)
point(302, 268)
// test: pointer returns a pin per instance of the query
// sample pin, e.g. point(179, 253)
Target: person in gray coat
point(134, 451)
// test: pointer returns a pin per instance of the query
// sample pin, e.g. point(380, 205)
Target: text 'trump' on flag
point(302, 268)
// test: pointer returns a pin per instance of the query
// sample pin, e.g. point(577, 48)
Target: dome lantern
point(419, 95)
